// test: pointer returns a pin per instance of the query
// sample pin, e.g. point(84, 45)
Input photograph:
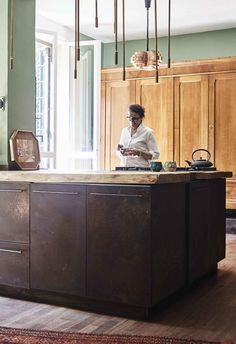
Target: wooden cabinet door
point(191, 116)
point(119, 95)
point(206, 230)
point(14, 212)
point(58, 238)
point(14, 264)
point(223, 128)
point(157, 99)
point(14, 234)
point(118, 244)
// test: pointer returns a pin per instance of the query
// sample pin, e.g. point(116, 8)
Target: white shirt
point(143, 140)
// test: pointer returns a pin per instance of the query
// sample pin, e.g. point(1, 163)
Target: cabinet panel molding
point(223, 127)
point(191, 116)
point(119, 95)
point(157, 99)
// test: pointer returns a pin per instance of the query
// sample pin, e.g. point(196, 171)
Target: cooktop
point(121, 168)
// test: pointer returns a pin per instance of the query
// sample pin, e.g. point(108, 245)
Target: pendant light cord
point(147, 29)
point(123, 24)
point(156, 43)
point(96, 13)
point(12, 35)
point(115, 31)
point(169, 15)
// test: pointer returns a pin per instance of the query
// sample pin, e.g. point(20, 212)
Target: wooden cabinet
point(118, 243)
point(14, 234)
point(223, 127)
point(206, 232)
point(192, 107)
point(128, 234)
point(58, 238)
point(116, 248)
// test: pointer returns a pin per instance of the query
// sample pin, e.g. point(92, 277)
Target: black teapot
point(201, 162)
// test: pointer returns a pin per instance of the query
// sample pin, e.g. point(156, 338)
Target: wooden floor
point(208, 312)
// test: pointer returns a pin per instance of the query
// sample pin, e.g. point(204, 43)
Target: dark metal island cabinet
point(114, 243)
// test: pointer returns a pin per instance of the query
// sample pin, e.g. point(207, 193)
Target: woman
point(137, 143)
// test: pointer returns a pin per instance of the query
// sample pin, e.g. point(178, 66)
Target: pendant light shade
point(148, 59)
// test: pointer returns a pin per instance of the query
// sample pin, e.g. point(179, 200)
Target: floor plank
point(207, 312)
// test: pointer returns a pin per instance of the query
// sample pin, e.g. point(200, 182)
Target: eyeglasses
point(133, 119)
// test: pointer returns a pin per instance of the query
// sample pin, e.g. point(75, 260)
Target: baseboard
point(230, 225)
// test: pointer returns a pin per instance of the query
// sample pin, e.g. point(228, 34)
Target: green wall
point(3, 79)
point(21, 80)
point(17, 85)
point(196, 46)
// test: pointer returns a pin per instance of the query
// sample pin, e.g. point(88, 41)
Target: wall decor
point(24, 149)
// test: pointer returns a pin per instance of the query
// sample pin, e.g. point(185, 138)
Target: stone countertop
point(108, 177)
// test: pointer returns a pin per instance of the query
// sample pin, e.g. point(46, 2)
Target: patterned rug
point(12, 336)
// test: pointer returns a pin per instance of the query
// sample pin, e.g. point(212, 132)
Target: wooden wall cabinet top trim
point(177, 68)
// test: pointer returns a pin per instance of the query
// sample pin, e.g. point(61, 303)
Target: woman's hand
point(130, 152)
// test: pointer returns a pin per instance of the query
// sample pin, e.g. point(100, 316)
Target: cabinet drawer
point(14, 212)
point(14, 264)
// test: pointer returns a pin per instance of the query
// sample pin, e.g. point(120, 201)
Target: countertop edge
point(109, 177)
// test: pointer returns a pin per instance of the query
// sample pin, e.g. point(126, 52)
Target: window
point(44, 103)
point(67, 110)
point(84, 106)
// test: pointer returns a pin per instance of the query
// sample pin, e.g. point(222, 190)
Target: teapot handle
point(201, 149)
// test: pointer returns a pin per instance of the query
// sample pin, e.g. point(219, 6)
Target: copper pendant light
point(148, 60)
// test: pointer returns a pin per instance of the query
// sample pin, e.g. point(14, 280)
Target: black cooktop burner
point(121, 168)
point(196, 169)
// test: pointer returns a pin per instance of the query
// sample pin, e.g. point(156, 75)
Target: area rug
point(21, 336)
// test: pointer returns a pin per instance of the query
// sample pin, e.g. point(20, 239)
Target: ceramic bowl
point(170, 166)
point(156, 166)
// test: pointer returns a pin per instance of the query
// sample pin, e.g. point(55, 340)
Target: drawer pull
point(10, 251)
point(13, 190)
point(117, 195)
point(56, 192)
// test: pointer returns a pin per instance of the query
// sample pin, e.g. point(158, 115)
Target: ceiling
point(187, 16)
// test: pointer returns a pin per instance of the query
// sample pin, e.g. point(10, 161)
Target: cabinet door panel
point(14, 212)
point(157, 99)
point(118, 244)
point(58, 238)
point(206, 226)
point(223, 127)
point(191, 116)
point(14, 264)
point(119, 95)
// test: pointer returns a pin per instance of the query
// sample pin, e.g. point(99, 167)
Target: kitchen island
point(116, 242)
